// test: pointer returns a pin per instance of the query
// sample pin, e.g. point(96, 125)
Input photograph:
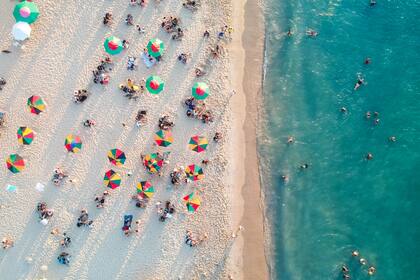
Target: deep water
point(342, 202)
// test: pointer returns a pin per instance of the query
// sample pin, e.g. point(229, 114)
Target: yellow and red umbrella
point(73, 143)
point(153, 162)
point(192, 202)
point(116, 157)
point(145, 189)
point(36, 104)
point(164, 138)
point(15, 163)
point(112, 179)
point(194, 172)
point(198, 143)
point(25, 135)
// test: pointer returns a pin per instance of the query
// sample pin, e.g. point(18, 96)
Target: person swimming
point(311, 33)
point(371, 270)
point(360, 81)
point(355, 253)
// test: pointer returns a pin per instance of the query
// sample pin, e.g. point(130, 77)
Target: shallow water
point(342, 201)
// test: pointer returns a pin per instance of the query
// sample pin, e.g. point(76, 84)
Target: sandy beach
point(66, 44)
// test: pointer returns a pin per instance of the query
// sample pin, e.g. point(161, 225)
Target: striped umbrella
point(112, 179)
point(25, 135)
point(164, 138)
point(200, 91)
point(153, 162)
point(15, 163)
point(194, 172)
point(145, 189)
point(73, 143)
point(198, 143)
point(192, 201)
point(36, 104)
point(116, 157)
point(155, 47)
point(154, 84)
point(113, 45)
point(26, 11)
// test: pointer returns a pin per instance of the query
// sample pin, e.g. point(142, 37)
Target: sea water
point(342, 201)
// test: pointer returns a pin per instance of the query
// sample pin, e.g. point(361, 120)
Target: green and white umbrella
point(200, 91)
point(154, 84)
point(26, 11)
point(155, 47)
point(113, 45)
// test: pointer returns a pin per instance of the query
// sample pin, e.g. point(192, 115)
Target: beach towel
point(11, 188)
point(128, 219)
point(149, 63)
point(39, 187)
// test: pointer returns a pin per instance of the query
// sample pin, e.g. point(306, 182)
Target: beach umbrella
point(26, 11)
point(145, 189)
point(154, 84)
point(73, 143)
point(25, 135)
point(15, 163)
point(21, 31)
point(192, 201)
point(198, 143)
point(112, 179)
point(113, 45)
point(155, 47)
point(153, 162)
point(200, 91)
point(36, 104)
point(164, 138)
point(194, 172)
point(116, 157)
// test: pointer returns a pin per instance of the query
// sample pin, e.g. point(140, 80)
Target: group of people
point(197, 109)
point(345, 271)
point(131, 90)
point(166, 212)
point(79, 96)
point(44, 213)
point(100, 200)
point(2, 83)
point(191, 5)
point(83, 219)
point(101, 74)
point(178, 176)
point(193, 240)
point(58, 176)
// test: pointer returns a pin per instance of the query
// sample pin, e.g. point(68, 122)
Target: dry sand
point(66, 44)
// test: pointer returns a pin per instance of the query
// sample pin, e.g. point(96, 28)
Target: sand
point(66, 44)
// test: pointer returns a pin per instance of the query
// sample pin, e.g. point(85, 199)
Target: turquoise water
point(342, 201)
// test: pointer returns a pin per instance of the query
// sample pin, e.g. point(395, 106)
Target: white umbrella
point(21, 31)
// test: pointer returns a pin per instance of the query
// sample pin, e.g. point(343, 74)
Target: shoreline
point(247, 62)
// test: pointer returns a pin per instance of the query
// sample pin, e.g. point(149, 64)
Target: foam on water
point(342, 202)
